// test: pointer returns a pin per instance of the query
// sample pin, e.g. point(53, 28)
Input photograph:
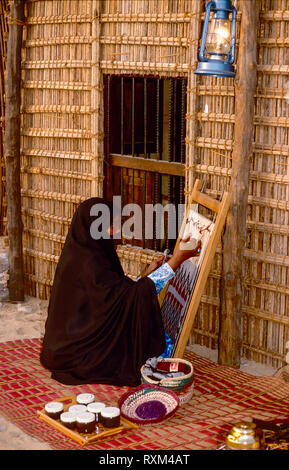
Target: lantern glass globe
point(219, 38)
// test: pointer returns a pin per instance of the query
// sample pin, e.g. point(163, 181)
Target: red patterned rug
point(222, 396)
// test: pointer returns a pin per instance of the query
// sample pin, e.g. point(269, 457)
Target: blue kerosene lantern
point(217, 51)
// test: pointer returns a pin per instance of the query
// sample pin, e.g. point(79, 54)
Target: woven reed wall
point(61, 138)
point(266, 302)
point(265, 325)
point(155, 37)
point(68, 46)
point(4, 12)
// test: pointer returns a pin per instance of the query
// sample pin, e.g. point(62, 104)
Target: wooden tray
point(82, 438)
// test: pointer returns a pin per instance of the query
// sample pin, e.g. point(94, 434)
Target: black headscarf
point(101, 325)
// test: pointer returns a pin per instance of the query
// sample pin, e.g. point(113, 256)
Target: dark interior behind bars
point(145, 118)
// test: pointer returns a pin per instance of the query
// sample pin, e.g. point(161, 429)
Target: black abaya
point(101, 325)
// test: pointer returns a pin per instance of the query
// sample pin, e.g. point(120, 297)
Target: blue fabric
point(162, 276)
point(169, 346)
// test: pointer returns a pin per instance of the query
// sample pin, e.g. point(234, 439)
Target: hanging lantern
point(217, 51)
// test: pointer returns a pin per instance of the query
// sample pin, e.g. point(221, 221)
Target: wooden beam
point(205, 200)
point(234, 239)
point(12, 150)
point(148, 164)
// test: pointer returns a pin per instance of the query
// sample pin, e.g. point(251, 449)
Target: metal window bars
point(145, 130)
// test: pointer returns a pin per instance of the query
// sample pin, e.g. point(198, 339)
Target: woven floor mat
point(222, 396)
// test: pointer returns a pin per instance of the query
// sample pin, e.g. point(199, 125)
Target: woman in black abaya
point(101, 325)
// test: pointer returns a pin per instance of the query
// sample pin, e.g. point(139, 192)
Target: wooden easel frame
point(221, 209)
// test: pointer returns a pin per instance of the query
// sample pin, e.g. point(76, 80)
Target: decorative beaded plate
point(148, 404)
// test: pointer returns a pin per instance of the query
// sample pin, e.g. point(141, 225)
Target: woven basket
point(183, 386)
point(139, 404)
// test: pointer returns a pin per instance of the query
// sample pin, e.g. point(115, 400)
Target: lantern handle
point(212, 6)
point(209, 7)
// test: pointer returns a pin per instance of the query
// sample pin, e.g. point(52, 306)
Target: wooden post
point(12, 150)
point(234, 239)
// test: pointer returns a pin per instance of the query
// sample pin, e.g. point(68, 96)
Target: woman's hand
point(182, 255)
point(153, 266)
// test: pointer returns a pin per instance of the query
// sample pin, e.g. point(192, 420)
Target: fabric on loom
point(101, 325)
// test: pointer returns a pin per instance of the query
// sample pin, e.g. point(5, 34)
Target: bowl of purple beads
point(148, 404)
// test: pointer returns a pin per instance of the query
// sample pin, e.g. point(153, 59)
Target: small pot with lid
point(245, 436)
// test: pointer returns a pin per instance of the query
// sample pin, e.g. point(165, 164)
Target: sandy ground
point(26, 320)
point(20, 321)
